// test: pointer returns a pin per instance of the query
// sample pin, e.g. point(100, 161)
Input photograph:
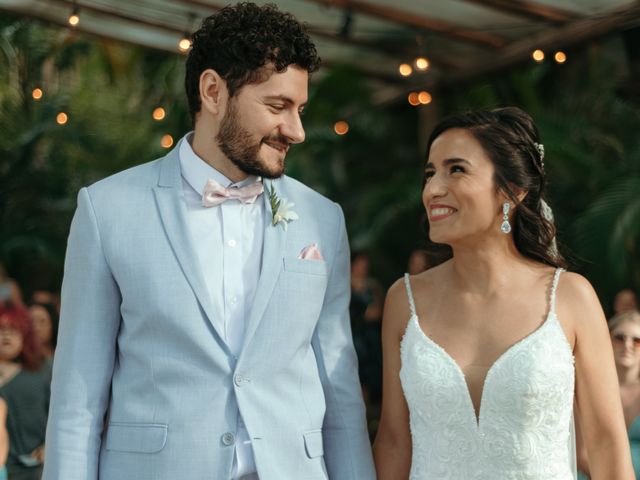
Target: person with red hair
point(25, 387)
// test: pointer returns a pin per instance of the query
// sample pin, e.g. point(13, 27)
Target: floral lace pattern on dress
point(523, 428)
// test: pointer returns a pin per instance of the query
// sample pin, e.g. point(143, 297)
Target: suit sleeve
point(346, 441)
point(85, 353)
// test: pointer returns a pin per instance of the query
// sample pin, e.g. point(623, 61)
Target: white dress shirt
point(228, 239)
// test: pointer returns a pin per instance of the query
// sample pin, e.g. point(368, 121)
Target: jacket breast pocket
point(313, 443)
point(313, 267)
point(136, 437)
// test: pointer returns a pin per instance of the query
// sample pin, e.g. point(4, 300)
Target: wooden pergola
point(461, 39)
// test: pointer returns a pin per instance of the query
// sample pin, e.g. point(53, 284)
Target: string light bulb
point(166, 141)
point(341, 127)
point(37, 93)
point(405, 69)
point(422, 64)
point(159, 114)
point(413, 99)
point(560, 57)
point(74, 18)
point(184, 44)
point(538, 55)
point(424, 98)
point(62, 118)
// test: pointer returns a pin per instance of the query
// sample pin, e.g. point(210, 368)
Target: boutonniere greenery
point(281, 212)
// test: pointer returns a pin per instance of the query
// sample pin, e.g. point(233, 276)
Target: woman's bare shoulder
point(578, 303)
point(573, 288)
point(397, 310)
point(397, 297)
point(432, 276)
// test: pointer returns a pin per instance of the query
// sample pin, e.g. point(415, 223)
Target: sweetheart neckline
point(477, 415)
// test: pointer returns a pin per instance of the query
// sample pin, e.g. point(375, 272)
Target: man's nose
point(293, 129)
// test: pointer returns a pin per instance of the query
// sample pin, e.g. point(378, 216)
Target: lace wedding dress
point(524, 429)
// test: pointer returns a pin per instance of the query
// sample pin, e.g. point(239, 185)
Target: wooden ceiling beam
point(528, 9)
point(403, 53)
point(577, 32)
point(39, 15)
point(110, 12)
point(204, 4)
point(377, 46)
point(394, 80)
point(410, 19)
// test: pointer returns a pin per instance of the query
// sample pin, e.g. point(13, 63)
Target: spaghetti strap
point(412, 304)
point(554, 286)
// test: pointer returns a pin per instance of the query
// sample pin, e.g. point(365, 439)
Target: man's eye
point(279, 108)
point(428, 174)
point(456, 169)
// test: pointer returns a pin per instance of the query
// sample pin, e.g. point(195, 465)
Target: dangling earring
point(505, 227)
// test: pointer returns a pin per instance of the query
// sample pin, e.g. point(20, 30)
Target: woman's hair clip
point(540, 149)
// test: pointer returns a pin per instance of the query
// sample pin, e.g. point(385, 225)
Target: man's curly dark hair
point(238, 41)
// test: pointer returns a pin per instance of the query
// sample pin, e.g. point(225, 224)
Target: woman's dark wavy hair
point(237, 41)
point(508, 136)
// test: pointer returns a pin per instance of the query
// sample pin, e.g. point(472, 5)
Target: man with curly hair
point(204, 329)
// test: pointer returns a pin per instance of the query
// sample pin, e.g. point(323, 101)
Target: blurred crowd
point(28, 331)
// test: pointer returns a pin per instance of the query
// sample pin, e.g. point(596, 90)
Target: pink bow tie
point(214, 193)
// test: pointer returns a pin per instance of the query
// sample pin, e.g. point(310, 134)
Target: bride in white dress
point(486, 354)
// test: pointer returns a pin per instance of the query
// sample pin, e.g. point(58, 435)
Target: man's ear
point(213, 91)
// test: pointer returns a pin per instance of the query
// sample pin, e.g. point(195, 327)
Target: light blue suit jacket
point(144, 387)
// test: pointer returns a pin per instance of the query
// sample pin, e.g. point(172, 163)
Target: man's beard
point(239, 147)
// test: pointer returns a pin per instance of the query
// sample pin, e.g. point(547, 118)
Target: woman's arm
point(392, 446)
point(599, 408)
point(4, 436)
point(581, 451)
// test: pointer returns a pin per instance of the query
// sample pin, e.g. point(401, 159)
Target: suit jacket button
point(228, 439)
point(237, 379)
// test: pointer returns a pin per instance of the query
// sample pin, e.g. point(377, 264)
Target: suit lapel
point(169, 197)
point(272, 255)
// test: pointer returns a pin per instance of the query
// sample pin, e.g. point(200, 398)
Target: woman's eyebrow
point(449, 161)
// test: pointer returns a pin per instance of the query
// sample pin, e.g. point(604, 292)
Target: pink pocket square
point(310, 252)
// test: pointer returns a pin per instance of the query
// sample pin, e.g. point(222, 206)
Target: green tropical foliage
point(108, 92)
point(588, 124)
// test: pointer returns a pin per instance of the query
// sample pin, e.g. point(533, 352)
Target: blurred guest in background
point(47, 297)
point(625, 337)
point(366, 292)
point(366, 312)
point(625, 301)
point(44, 319)
point(25, 388)
point(9, 290)
point(418, 262)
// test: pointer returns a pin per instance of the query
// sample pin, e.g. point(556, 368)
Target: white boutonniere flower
point(281, 212)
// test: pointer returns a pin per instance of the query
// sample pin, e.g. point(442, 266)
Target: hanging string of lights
point(420, 64)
